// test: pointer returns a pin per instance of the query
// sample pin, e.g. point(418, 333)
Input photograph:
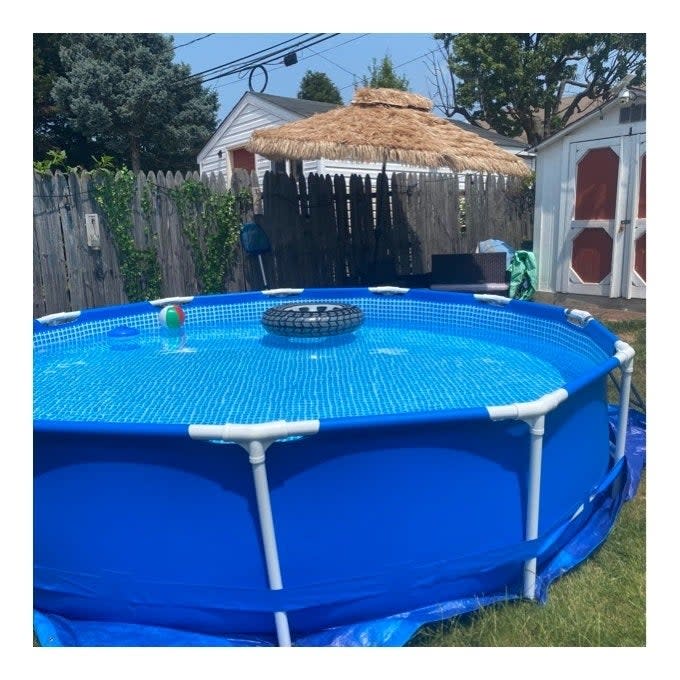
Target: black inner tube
point(312, 320)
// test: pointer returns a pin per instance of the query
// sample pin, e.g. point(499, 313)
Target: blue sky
point(341, 57)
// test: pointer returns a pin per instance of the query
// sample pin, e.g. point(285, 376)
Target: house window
point(633, 113)
point(242, 158)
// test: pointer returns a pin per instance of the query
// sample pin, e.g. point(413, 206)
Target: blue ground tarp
point(56, 631)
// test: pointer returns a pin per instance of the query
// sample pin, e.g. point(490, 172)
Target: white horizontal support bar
point(281, 292)
point(185, 300)
point(262, 432)
point(388, 290)
point(529, 409)
point(58, 318)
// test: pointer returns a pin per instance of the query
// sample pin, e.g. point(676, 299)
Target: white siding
point(347, 168)
point(235, 132)
point(546, 215)
point(263, 164)
point(333, 167)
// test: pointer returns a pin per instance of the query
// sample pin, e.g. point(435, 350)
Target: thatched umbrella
point(382, 125)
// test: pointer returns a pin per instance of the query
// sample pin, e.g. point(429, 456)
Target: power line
point(268, 59)
point(233, 82)
point(420, 56)
point(342, 68)
point(247, 56)
point(320, 53)
point(191, 42)
point(253, 54)
point(416, 58)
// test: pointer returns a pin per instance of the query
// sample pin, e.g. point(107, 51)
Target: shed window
point(596, 183)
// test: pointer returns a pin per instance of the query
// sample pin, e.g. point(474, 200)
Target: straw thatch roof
point(383, 125)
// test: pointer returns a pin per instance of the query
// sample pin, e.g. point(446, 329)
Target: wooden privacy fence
point(329, 232)
point(69, 274)
point(324, 231)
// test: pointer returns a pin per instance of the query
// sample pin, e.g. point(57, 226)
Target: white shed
point(591, 202)
point(225, 150)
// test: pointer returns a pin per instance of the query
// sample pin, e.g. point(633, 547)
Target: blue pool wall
point(581, 537)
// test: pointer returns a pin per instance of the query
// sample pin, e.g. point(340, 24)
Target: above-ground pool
point(224, 479)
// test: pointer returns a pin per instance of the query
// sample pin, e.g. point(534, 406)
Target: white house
point(225, 150)
point(590, 215)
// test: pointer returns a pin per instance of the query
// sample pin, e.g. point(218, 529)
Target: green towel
point(523, 277)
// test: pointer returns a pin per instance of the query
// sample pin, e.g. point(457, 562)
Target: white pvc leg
point(537, 427)
point(257, 457)
point(622, 427)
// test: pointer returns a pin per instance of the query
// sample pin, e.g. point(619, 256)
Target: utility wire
point(320, 54)
point(233, 82)
point(243, 60)
point(420, 56)
point(247, 56)
point(191, 42)
point(269, 59)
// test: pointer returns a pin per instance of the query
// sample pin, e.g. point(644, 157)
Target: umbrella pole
point(264, 278)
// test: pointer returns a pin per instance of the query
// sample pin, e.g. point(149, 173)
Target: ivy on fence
point(114, 192)
point(211, 223)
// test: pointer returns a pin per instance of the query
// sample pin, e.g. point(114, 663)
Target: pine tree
point(318, 87)
point(383, 75)
point(124, 91)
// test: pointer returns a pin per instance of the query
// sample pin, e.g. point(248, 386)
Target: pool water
point(238, 373)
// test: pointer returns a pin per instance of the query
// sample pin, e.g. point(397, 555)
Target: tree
point(318, 87)
point(533, 83)
point(123, 91)
point(384, 75)
point(51, 130)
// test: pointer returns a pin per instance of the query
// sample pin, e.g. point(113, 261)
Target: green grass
point(601, 603)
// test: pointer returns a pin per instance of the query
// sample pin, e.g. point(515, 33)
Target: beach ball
point(172, 316)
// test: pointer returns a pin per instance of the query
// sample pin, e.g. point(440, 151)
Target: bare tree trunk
point(135, 155)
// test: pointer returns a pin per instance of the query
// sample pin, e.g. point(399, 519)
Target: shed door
point(604, 232)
